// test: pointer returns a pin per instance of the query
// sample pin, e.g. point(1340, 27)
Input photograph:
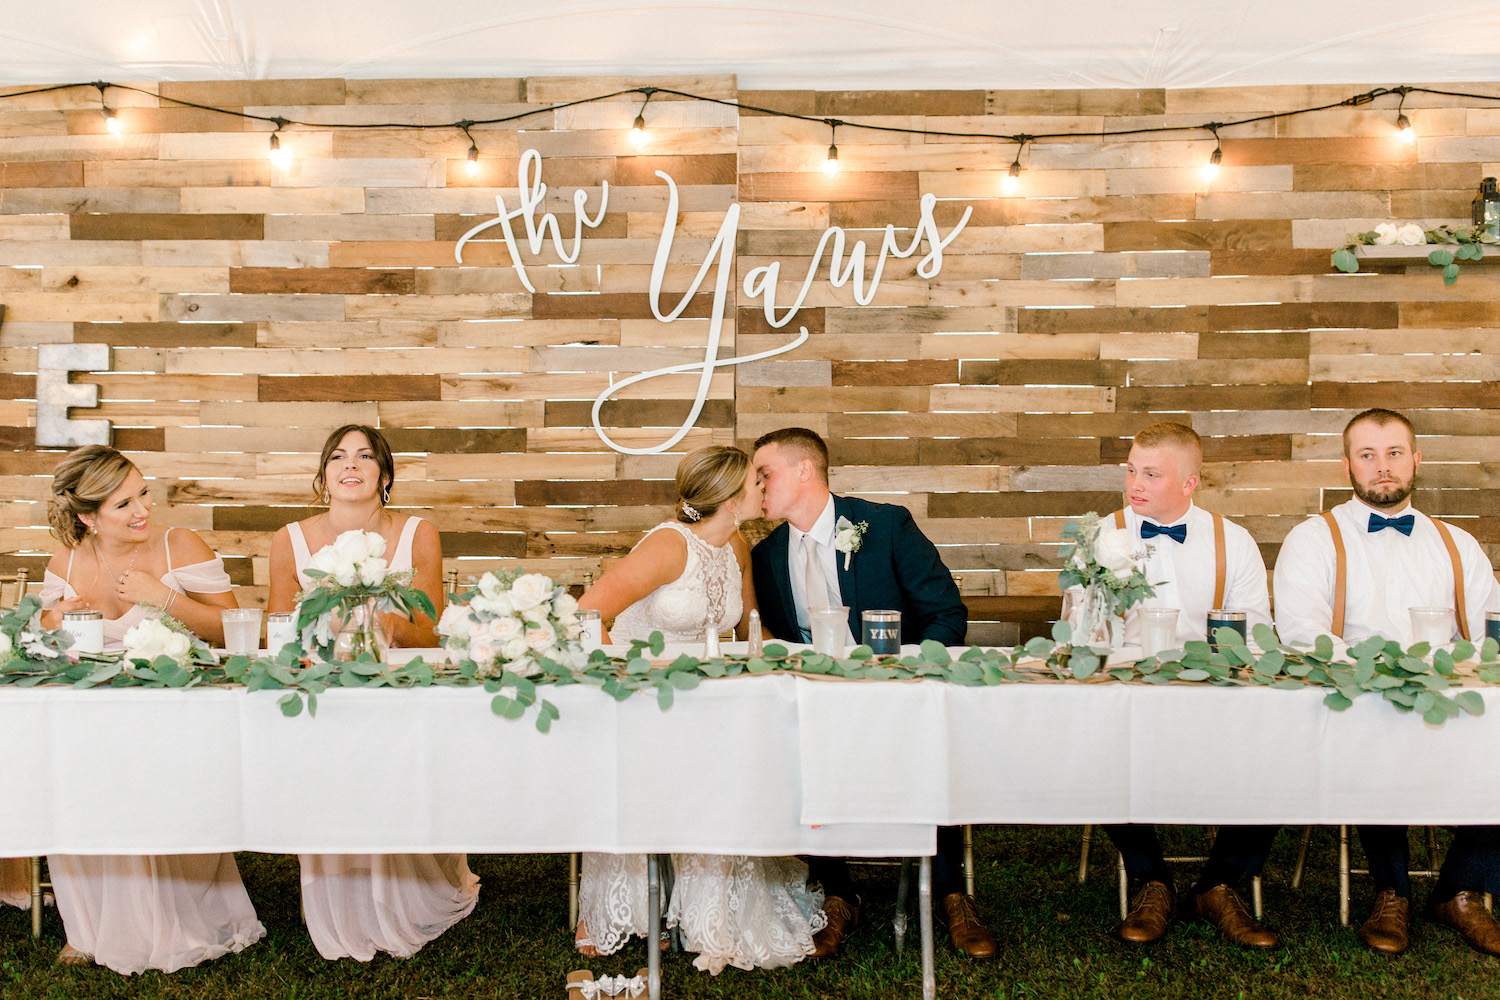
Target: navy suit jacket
point(897, 568)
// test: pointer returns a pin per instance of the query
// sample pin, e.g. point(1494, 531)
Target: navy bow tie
point(1402, 524)
point(1177, 532)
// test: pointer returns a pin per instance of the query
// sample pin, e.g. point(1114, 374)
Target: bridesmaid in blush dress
point(163, 912)
point(358, 904)
point(686, 576)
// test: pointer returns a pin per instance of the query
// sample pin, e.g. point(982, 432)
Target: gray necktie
point(815, 584)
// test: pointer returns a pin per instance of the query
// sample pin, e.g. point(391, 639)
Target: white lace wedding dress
point(732, 910)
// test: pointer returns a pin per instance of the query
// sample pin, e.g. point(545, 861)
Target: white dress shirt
point(822, 532)
point(1183, 574)
point(1387, 574)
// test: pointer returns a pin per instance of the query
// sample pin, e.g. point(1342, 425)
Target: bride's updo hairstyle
point(378, 445)
point(83, 481)
point(707, 479)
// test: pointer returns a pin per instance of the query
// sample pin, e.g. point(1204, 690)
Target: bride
point(358, 904)
point(686, 576)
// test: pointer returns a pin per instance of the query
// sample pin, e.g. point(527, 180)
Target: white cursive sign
point(846, 264)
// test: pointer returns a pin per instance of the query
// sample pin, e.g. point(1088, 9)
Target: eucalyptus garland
point(1415, 679)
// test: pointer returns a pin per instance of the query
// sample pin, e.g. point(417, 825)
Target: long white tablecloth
point(933, 752)
point(132, 771)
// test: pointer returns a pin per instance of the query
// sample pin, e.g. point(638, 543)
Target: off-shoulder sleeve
point(207, 577)
point(54, 589)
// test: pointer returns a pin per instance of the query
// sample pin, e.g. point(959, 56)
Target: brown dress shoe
point(968, 934)
point(1466, 914)
point(1387, 929)
point(1150, 912)
point(843, 917)
point(1224, 909)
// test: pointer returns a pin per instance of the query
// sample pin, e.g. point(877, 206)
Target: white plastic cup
point(1158, 629)
point(87, 630)
point(1432, 625)
point(241, 630)
point(281, 628)
point(829, 627)
point(590, 629)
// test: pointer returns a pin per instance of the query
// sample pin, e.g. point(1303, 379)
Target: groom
point(891, 566)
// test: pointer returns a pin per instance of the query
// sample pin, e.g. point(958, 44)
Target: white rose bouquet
point(353, 582)
point(513, 620)
point(1106, 563)
point(161, 635)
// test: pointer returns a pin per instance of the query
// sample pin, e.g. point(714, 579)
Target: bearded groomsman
point(1355, 572)
point(1197, 562)
point(890, 566)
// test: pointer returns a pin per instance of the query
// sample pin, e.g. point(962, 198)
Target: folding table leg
point(36, 893)
point(653, 946)
point(924, 916)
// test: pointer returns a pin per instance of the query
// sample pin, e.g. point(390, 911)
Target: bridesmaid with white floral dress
point(358, 904)
point(131, 913)
point(684, 577)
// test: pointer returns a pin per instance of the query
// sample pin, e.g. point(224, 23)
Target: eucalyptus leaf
point(1336, 701)
point(683, 680)
point(291, 704)
point(1195, 675)
point(935, 652)
point(507, 708)
point(1440, 257)
point(664, 696)
point(1345, 261)
point(1470, 701)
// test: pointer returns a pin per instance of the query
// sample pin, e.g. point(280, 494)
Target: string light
point(473, 148)
point(1403, 123)
point(831, 165)
point(111, 122)
point(638, 134)
point(280, 157)
point(1012, 181)
point(1211, 168)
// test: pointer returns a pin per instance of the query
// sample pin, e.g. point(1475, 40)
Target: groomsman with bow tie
point(1355, 572)
point(890, 566)
point(1197, 562)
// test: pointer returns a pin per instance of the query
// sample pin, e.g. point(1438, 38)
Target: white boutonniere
point(848, 536)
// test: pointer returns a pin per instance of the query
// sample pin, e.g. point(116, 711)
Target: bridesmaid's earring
point(326, 498)
point(385, 494)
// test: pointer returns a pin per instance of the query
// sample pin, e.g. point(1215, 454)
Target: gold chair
point(1345, 870)
point(16, 583)
point(1124, 878)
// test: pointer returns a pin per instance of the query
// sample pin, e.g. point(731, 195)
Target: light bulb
point(1211, 168)
point(1013, 179)
point(473, 160)
point(638, 131)
point(280, 157)
point(111, 121)
point(831, 165)
point(1408, 134)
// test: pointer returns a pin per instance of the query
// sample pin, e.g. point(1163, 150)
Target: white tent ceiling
point(768, 44)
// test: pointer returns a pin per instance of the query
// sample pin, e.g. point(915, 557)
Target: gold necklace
point(99, 555)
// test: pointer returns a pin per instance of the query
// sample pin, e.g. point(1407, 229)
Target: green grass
point(1056, 940)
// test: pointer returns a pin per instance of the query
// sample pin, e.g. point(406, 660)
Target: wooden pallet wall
point(252, 308)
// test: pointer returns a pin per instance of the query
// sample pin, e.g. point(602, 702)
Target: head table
point(770, 764)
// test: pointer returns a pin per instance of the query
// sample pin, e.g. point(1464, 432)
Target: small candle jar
point(87, 630)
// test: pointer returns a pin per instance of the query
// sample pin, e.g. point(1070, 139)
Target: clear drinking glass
point(241, 630)
point(1158, 629)
point(1431, 625)
point(828, 627)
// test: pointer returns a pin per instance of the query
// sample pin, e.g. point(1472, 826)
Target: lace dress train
point(732, 910)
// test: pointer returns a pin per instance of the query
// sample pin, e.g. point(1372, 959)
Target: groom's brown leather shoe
point(843, 917)
point(1224, 909)
point(1388, 928)
point(968, 934)
point(1466, 914)
point(1150, 912)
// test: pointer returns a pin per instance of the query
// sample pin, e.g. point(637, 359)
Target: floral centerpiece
point(513, 620)
point(1106, 563)
point(22, 636)
point(160, 635)
point(338, 617)
point(1454, 243)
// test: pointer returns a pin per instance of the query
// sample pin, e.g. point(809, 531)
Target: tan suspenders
point(1341, 577)
point(1220, 569)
